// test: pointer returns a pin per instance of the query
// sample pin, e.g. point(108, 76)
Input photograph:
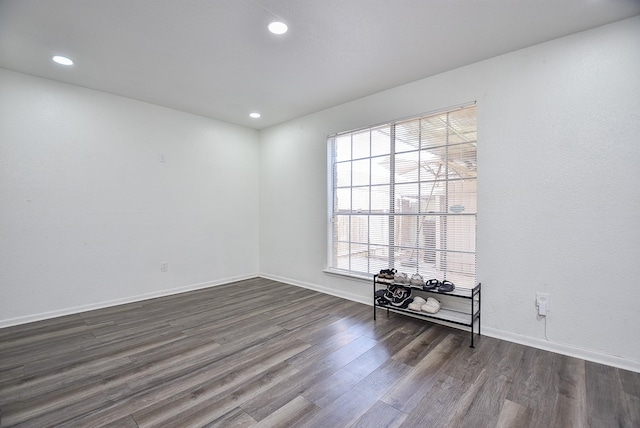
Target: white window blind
point(403, 195)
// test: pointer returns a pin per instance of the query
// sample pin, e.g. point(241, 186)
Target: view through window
point(403, 195)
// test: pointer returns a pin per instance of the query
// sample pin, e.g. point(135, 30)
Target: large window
point(403, 195)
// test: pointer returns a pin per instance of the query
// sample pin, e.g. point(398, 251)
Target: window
point(403, 195)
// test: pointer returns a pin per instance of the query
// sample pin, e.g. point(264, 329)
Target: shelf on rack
point(448, 315)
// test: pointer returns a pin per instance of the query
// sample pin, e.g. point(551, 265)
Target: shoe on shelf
point(389, 275)
point(382, 276)
point(417, 303)
point(390, 292)
point(401, 278)
point(446, 287)
point(382, 301)
point(416, 280)
point(402, 297)
point(431, 306)
point(431, 285)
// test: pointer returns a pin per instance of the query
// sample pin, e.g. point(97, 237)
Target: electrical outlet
point(543, 303)
point(164, 267)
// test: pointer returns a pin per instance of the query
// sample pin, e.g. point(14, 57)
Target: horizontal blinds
point(404, 196)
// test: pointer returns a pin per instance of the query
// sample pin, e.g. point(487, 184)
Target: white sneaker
point(431, 306)
point(416, 280)
point(401, 278)
point(419, 300)
point(414, 307)
point(417, 303)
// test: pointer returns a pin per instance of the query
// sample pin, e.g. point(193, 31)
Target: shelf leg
point(374, 296)
point(472, 323)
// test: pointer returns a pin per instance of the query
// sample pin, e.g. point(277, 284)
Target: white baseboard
point(343, 294)
point(559, 348)
point(131, 299)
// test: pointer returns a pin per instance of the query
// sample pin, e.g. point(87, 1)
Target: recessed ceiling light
point(63, 60)
point(278, 27)
point(254, 115)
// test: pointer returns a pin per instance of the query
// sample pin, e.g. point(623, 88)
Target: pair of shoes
point(431, 306)
point(403, 298)
point(397, 295)
point(386, 276)
point(389, 292)
point(416, 280)
point(441, 287)
point(394, 295)
point(401, 278)
point(417, 303)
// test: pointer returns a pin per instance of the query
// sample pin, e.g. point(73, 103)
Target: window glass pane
point(359, 258)
point(433, 197)
point(361, 145)
point(343, 174)
point(341, 255)
point(380, 199)
point(406, 234)
point(462, 196)
point(342, 258)
point(406, 198)
point(359, 229)
point(461, 233)
point(360, 172)
point(380, 141)
point(343, 199)
point(380, 170)
point(432, 164)
point(407, 167)
point(341, 229)
point(433, 131)
point(378, 258)
point(343, 147)
point(451, 232)
point(462, 160)
point(360, 199)
point(379, 230)
point(462, 125)
point(407, 136)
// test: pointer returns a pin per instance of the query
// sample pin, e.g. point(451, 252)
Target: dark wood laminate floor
point(258, 353)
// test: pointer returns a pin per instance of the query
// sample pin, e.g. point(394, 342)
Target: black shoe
point(402, 297)
point(431, 285)
point(446, 287)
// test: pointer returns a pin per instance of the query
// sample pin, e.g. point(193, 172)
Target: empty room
point(305, 213)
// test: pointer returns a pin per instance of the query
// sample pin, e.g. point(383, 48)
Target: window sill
point(348, 275)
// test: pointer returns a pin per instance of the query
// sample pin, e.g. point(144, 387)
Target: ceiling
point(216, 58)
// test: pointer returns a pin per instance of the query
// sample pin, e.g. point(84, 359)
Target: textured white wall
point(88, 211)
point(559, 202)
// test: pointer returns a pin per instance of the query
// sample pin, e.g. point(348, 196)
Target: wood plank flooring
point(259, 353)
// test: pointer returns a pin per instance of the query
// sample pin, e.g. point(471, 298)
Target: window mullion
point(351, 208)
point(392, 197)
point(445, 219)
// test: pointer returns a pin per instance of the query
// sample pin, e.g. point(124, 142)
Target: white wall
point(558, 177)
point(88, 212)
